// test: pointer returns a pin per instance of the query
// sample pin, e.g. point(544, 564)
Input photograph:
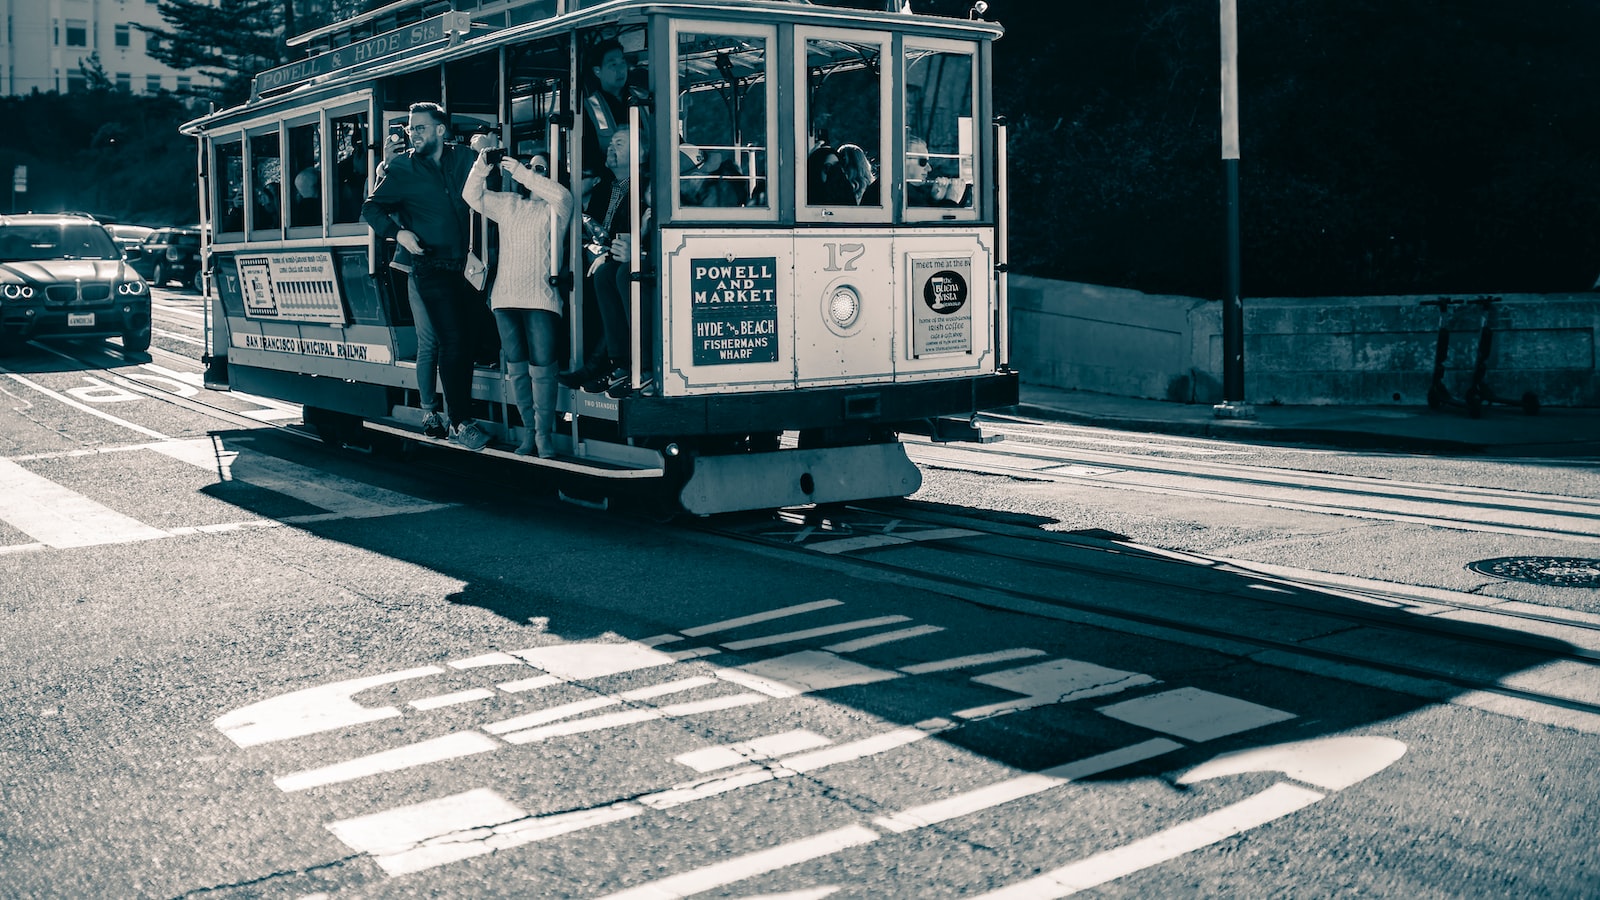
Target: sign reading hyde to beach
point(734, 310)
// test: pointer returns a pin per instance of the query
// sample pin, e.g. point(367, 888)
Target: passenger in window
point(947, 187)
point(919, 191)
point(607, 102)
point(726, 186)
point(419, 203)
point(826, 181)
point(307, 207)
point(594, 198)
point(612, 274)
point(858, 170)
point(527, 307)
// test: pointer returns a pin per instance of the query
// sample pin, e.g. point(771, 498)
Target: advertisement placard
point(291, 287)
point(941, 311)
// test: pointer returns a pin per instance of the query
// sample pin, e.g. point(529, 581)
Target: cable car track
point(1504, 641)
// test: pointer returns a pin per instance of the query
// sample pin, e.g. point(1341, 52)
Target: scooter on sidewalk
point(1478, 393)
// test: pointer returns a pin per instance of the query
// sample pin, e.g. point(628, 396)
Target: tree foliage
point(108, 152)
point(229, 41)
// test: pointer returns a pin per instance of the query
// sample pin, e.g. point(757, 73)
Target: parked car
point(168, 255)
point(62, 276)
point(129, 235)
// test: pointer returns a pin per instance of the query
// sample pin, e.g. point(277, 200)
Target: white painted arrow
point(1329, 763)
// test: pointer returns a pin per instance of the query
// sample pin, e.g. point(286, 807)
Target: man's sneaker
point(623, 389)
point(470, 436)
point(433, 426)
point(603, 383)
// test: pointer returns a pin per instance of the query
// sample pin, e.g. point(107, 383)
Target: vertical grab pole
point(635, 199)
point(1002, 229)
point(553, 150)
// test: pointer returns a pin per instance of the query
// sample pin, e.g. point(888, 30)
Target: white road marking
point(394, 835)
point(802, 673)
point(59, 517)
point(790, 636)
point(749, 865)
point(322, 708)
point(593, 659)
point(873, 640)
point(1056, 681)
point(1273, 803)
point(816, 893)
point(1194, 714)
point(1022, 786)
point(450, 746)
point(632, 717)
point(873, 541)
point(453, 699)
point(769, 615)
point(61, 398)
point(729, 755)
point(967, 662)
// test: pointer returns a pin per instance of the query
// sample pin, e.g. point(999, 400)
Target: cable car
point(820, 262)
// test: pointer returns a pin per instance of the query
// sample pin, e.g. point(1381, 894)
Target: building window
point(152, 44)
point(152, 84)
point(76, 82)
point(77, 33)
point(124, 36)
point(125, 82)
point(184, 83)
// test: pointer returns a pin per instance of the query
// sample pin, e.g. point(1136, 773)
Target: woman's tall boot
point(522, 390)
point(544, 408)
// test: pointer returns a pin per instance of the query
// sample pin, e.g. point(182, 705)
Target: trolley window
point(940, 110)
point(725, 107)
point(266, 186)
point(842, 117)
point(349, 139)
point(228, 182)
point(305, 182)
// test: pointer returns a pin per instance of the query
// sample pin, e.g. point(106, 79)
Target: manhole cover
point(1560, 571)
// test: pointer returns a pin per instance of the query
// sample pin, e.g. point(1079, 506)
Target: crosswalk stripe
point(60, 517)
point(750, 865)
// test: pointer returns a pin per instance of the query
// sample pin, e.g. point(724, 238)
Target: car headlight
point(14, 291)
point(131, 288)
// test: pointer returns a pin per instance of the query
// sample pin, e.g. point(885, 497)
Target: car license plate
point(80, 319)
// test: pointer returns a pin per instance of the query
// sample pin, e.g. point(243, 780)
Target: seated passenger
point(858, 169)
point(947, 187)
point(826, 181)
point(919, 191)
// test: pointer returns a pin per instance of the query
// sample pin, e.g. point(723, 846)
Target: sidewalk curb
point(1235, 429)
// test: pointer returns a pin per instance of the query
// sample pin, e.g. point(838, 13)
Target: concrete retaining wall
point(1300, 351)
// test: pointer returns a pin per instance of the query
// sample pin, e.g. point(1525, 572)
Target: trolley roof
point(451, 34)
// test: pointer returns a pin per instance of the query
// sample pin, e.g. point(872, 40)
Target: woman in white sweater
point(527, 307)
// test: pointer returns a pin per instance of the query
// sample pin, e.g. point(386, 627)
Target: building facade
point(45, 44)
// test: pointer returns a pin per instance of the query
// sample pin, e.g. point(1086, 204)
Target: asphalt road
point(240, 664)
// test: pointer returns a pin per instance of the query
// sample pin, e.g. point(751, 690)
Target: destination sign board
point(412, 37)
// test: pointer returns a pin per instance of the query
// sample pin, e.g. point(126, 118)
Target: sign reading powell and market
point(734, 310)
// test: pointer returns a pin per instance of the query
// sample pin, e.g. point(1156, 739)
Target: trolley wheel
point(1530, 404)
point(1474, 400)
point(1436, 398)
point(334, 428)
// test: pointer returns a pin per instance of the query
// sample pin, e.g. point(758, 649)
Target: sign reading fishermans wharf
point(734, 310)
point(389, 43)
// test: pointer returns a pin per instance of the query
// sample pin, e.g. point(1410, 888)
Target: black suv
point(63, 276)
point(167, 255)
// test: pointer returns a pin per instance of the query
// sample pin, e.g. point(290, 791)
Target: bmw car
point(62, 276)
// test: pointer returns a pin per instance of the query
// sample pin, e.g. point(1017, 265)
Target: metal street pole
point(1233, 404)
